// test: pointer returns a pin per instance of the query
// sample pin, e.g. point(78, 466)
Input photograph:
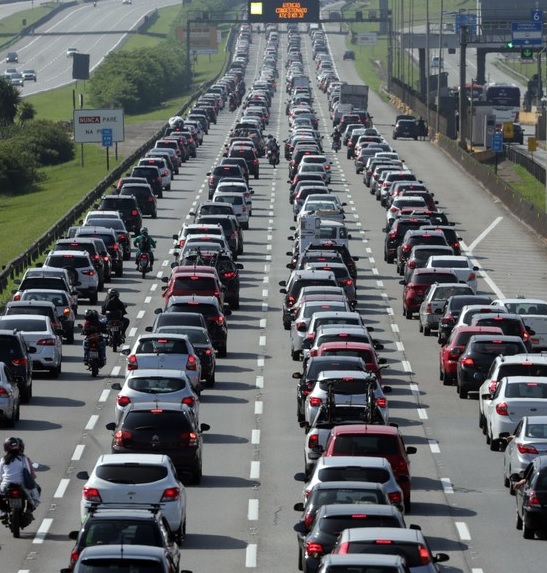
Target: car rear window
point(42, 282)
point(524, 369)
point(137, 192)
point(335, 525)
point(444, 293)
point(125, 565)
point(41, 310)
point(107, 238)
point(205, 309)
point(117, 204)
point(179, 318)
point(61, 261)
point(26, 325)
point(195, 284)
point(509, 327)
point(430, 278)
point(336, 320)
point(342, 337)
point(348, 495)
point(346, 387)
point(57, 298)
point(163, 345)
point(112, 531)
point(494, 348)
point(157, 419)
point(362, 445)
point(231, 199)
point(409, 551)
point(131, 473)
point(9, 348)
point(526, 390)
point(354, 473)
point(156, 384)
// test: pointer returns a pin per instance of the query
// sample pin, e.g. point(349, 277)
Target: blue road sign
point(107, 137)
point(497, 141)
point(464, 19)
point(527, 33)
point(536, 15)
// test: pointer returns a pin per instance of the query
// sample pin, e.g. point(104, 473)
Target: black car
point(326, 246)
point(406, 128)
point(215, 316)
point(395, 234)
point(127, 526)
point(237, 161)
point(219, 172)
point(146, 200)
point(110, 239)
point(152, 174)
point(331, 519)
point(452, 309)
point(127, 206)
point(169, 429)
point(230, 227)
point(531, 497)
point(477, 357)
point(348, 55)
point(166, 319)
point(250, 157)
point(118, 226)
point(16, 355)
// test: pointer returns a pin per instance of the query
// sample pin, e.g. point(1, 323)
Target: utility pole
point(463, 96)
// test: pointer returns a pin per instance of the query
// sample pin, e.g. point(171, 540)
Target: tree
point(26, 112)
point(10, 99)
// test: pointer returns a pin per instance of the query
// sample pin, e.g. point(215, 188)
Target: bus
point(504, 95)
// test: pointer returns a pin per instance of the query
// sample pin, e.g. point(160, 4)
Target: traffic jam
point(355, 511)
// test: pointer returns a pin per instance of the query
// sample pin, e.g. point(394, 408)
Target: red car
point(375, 441)
point(450, 353)
point(415, 289)
point(360, 349)
point(193, 281)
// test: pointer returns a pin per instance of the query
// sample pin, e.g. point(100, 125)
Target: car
point(460, 265)
point(530, 498)
point(163, 167)
point(420, 281)
point(349, 55)
point(238, 204)
point(363, 563)
point(80, 263)
point(412, 238)
point(126, 205)
point(146, 200)
point(164, 351)
point(534, 315)
point(12, 57)
point(122, 235)
point(164, 428)
point(71, 51)
point(152, 175)
point(15, 353)
point(527, 440)
point(17, 79)
point(186, 280)
point(419, 254)
point(410, 544)
point(331, 520)
point(450, 352)
point(394, 235)
point(62, 303)
point(374, 440)
point(477, 357)
point(452, 310)
point(112, 242)
point(164, 385)
point(91, 247)
point(343, 278)
point(136, 481)
point(141, 558)
point(127, 526)
point(10, 396)
point(513, 398)
point(218, 172)
point(230, 227)
point(407, 128)
point(38, 334)
point(511, 324)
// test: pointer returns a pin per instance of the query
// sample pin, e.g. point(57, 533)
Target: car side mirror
point(204, 427)
point(148, 329)
point(116, 386)
point(411, 450)
point(158, 311)
point(297, 507)
point(125, 350)
point(296, 375)
point(402, 282)
point(110, 426)
point(441, 557)
point(300, 527)
point(83, 475)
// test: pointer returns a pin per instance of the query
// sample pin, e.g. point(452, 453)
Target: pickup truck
point(534, 316)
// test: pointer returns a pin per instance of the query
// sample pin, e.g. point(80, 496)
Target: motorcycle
point(114, 325)
point(336, 145)
point(18, 509)
point(92, 345)
point(144, 264)
point(273, 157)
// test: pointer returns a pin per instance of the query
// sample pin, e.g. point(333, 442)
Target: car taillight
point(181, 242)
point(74, 557)
point(315, 402)
point(121, 437)
point(343, 548)
point(170, 494)
point(88, 273)
point(229, 274)
point(492, 386)
point(526, 449)
point(314, 549)
point(428, 308)
point(3, 392)
point(191, 363)
point(392, 235)
point(46, 342)
point(502, 409)
point(290, 300)
point(395, 497)
point(468, 362)
point(347, 282)
point(106, 258)
point(123, 401)
point(381, 402)
point(313, 441)
point(219, 320)
point(300, 325)
point(406, 248)
point(92, 494)
point(399, 467)
point(132, 363)
point(17, 297)
point(95, 257)
point(456, 245)
point(412, 265)
point(211, 180)
point(115, 247)
point(189, 438)
point(122, 237)
point(525, 335)
point(424, 555)
point(134, 212)
point(308, 521)
point(189, 401)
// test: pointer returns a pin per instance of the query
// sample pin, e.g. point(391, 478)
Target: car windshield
point(162, 346)
point(131, 473)
point(156, 384)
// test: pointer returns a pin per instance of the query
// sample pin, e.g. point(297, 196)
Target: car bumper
point(535, 518)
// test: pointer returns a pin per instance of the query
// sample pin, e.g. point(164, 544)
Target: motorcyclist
point(118, 309)
point(145, 243)
point(272, 144)
point(11, 471)
point(94, 325)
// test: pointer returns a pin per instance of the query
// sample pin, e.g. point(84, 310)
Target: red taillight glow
point(189, 438)
point(92, 494)
point(191, 363)
point(315, 402)
point(502, 409)
point(313, 441)
point(123, 401)
point(468, 362)
point(132, 363)
point(343, 548)
point(46, 342)
point(526, 449)
point(170, 494)
point(533, 500)
point(381, 402)
point(395, 497)
point(121, 436)
point(424, 555)
point(189, 401)
point(314, 549)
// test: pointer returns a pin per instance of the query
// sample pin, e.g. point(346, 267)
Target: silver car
point(147, 385)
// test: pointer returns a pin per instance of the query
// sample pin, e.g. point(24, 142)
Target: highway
point(241, 515)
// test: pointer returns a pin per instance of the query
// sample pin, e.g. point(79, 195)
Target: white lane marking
point(78, 451)
point(255, 437)
point(147, 299)
point(483, 234)
point(434, 446)
point(463, 531)
point(265, 293)
point(159, 274)
point(476, 571)
point(250, 555)
point(132, 332)
point(380, 284)
point(141, 313)
point(154, 287)
point(384, 295)
point(371, 260)
point(92, 422)
point(262, 323)
point(104, 395)
point(447, 485)
point(115, 371)
point(400, 346)
point(389, 311)
point(259, 382)
point(266, 280)
point(252, 512)
point(164, 263)
point(262, 341)
point(260, 362)
point(375, 271)
point(395, 328)
point(42, 530)
point(23, 571)
point(414, 388)
point(255, 470)
point(422, 414)
point(406, 366)
point(259, 407)
point(61, 488)
point(265, 307)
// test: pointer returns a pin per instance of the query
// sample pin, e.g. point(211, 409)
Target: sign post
point(107, 142)
point(497, 146)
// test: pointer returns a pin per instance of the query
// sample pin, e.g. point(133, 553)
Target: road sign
point(532, 144)
point(508, 131)
point(463, 19)
point(107, 137)
point(370, 39)
point(497, 141)
point(90, 123)
point(527, 33)
point(536, 15)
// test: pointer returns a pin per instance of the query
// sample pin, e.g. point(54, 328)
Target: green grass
point(12, 25)
point(526, 185)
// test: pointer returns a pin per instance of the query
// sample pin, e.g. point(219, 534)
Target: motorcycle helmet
point(13, 445)
point(90, 314)
point(113, 293)
point(144, 231)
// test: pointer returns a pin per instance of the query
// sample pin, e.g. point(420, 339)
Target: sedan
point(40, 335)
point(145, 385)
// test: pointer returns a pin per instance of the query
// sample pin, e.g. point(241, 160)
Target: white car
point(534, 315)
point(460, 265)
point(350, 387)
point(513, 398)
point(79, 263)
point(71, 51)
point(146, 385)
point(139, 481)
point(164, 352)
point(321, 160)
point(229, 185)
point(237, 201)
point(403, 202)
point(46, 346)
point(314, 168)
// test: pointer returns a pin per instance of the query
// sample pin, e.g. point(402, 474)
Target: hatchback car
point(162, 428)
point(364, 563)
point(433, 304)
point(146, 200)
point(87, 278)
point(452, 310)
point(126, 205)
point(152, 174)
point(420, 281)
point(531, 498)
point(511, 324)
point(405, 128)
point(15, 353)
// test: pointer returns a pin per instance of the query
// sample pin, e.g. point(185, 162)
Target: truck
point(534, 316)
point(356, 95)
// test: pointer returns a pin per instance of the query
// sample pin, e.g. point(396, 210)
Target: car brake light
point(229, 274)
point(315, 402)
point(502, 409)
point(189, 401)
point(121, 437)
point(428, 308)
point(468, 362)
point(347, 282)
point(170, 494)
point(17, 297)
point(134, 212)
point(123, 401)
point(343, 548)
point(95, 257)
point(88, 273)
point(46, 342)
point(66, 311)
point(492, 386)
point(74, 557)
point(308, 521)
point(395, 497)
point(424, 555)
point(190, 438)
point(191, 363)
point(219, 320)
point(19, 361)
point(314, 549)
point(533, 500)
point(132, 363)
point(92, 494)
point(526, 449)
point(412, 265)
point(313, 441)
point(115, 247)
point(3, 392)
point(381, 402)
point(392, 235)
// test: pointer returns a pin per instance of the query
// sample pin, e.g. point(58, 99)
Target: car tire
point(518, 522)
point(527, 533)
point(295, 355)
point(408, 314)
point(119, 271)
point(286, 325)
point(462, 393)
point(70, 336)
point(256, 176)
point(420, 326)
point(180, 535)
point(234, 303)
point(210, 380)
point(408, 505)
point(427, 331)
point(54, 372)
point(155, 215)
point(245, 225)
point(93, 298)
point(12, 420)
point(299, 559)
point(222, 351)
point(168, 187)
point(197, 475)
point(26, 394)
point(494, 444)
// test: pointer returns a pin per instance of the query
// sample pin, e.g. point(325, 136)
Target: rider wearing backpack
point(145, 243)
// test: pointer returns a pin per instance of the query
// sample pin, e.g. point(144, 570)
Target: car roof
point(356, 461)
point(405, 535)
point(365, 429)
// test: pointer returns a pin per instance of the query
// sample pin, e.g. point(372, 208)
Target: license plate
point(93, 354)
point(115, 328)
point(15, 502)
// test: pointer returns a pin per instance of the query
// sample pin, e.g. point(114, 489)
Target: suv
point(220, 171)
point(110, 238)
point(87, 284)
point(169, 429)
point(530, 498)
point(127, 526)
point(128, 207)
point(41, 278)
point(214, 314)
point(405, 128)
point(250, 156)
point(152, 174)
point(89, 246)
point(432, 307)
point(191, 281)
point(146, 200)
point(16, 355)
point(511, 324)
point(230, 227)
point(413, 238)
point(415, 289)
point(396, 233)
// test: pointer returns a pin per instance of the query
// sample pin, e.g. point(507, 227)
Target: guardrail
point(16, 266)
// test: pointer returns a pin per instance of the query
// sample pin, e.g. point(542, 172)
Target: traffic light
point(526, 54)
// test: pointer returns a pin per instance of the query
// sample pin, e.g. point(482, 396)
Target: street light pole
point(427, 62)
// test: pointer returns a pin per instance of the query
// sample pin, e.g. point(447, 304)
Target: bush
point(18, 167)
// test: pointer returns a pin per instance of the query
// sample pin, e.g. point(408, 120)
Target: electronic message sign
point(272, 11)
